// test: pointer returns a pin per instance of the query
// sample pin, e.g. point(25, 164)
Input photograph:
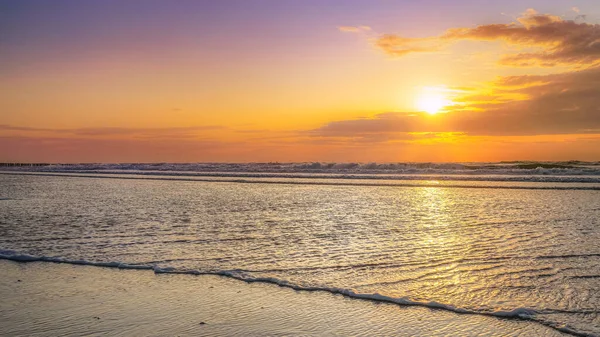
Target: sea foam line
point(360, 182)
point(535, 176)
point(527, 167)
point(517, 313)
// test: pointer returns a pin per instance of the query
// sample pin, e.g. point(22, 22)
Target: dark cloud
point(382, 127)
point(567, 103)
point(558, 103)
point(558, 41)
point(386, 122)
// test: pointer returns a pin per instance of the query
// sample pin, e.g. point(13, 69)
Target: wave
point(516, 313)
point(543, 172)
point(519, 167)
point(341, 181)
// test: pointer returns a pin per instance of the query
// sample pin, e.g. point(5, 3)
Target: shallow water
point(66, 300)
point(525, 252)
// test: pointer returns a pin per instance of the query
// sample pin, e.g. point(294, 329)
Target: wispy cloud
point(78, 149)
point(395, 45)
point(354, 29)
point(167, 132)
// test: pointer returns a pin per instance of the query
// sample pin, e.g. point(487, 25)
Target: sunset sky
point(284, 80)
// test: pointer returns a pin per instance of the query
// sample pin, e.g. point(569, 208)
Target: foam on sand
point(517, 313)
point(42, 299)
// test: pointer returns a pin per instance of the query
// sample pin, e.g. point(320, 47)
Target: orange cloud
point(566, 103)
point(395, 45)
point(559, 42)
point(354, 29)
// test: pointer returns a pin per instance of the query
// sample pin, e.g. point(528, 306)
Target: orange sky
point(202, 83)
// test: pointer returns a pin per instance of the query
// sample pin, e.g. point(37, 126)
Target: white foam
point(517, 313)
point(539, 169)
point(16, 256)
point(548, 183)
point(393, 174)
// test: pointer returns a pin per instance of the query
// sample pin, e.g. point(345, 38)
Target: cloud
point(567, 103)
point(557, 41)
point(557, 103)
point(5, 127)
point(395, 45)
point(169, 132)
point(531, 18)
point(78, 149)
point(390, 122)
point(354, 29)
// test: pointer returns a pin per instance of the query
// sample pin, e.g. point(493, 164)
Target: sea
point(517, 240)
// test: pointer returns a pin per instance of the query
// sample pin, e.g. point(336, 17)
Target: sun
point(432, 100)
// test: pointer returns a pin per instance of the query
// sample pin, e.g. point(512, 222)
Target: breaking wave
point(547, 172)
point(507, 168)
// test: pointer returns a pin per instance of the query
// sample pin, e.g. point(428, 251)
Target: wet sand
point(48, 299)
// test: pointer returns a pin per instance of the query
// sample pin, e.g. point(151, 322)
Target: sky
point(296, 81)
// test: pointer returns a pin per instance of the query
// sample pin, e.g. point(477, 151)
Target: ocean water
point(517, 240)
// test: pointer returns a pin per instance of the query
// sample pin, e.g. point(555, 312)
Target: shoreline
point(75, 299)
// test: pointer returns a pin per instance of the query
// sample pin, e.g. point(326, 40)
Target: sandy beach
point(49, 299)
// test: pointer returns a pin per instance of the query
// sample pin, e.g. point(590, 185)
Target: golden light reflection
point(437, 233)
point(441, 237)
point(433, 202)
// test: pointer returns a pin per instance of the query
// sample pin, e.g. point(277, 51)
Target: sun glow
point(432, 100)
